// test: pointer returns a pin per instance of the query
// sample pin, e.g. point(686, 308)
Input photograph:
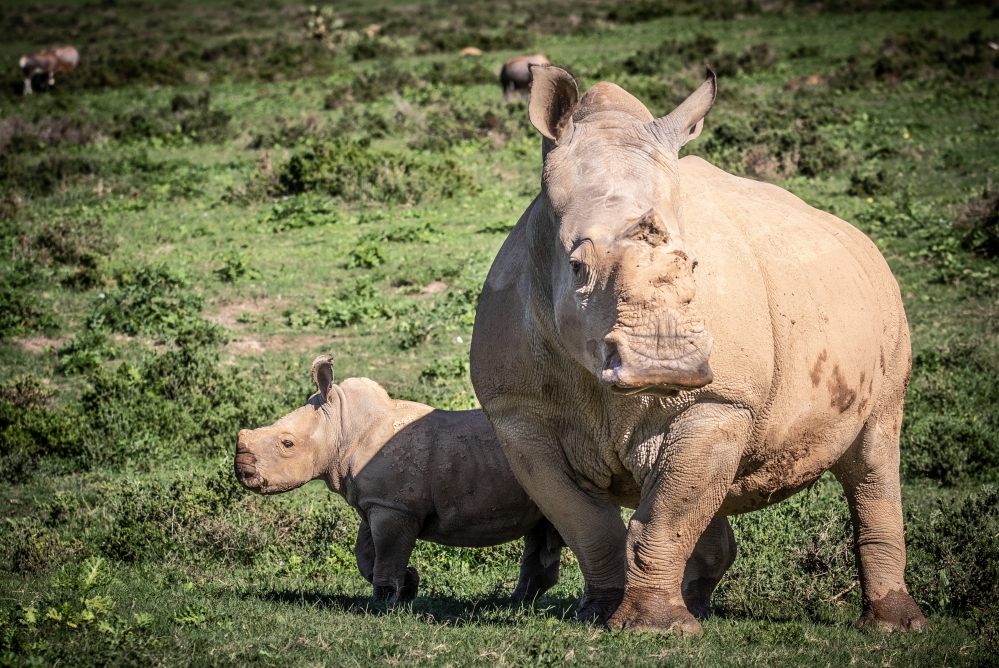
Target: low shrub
point(42, 175)
point(357, 302)
point(951, 421)
point(701, 49)
point(187, 119)
point(20, 136)
point(447, 39)
point(871, 183)
point(954, 561)
point(301, 211)
point(354, 172)
point(85, 352)
point(366, 254)
point(795, 559)
point(21, 313)
point(235, 266)
point(173, 403)
point(31, 428)
point(210, 519)
point(978, 223)
point(463, 72)
point(75, 248)
point(150, 300)
point(368, 86)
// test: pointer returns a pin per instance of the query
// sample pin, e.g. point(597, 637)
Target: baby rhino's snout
point(246, 470)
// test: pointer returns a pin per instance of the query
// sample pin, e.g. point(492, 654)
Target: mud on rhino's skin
point(410, 472)
point(713, 340)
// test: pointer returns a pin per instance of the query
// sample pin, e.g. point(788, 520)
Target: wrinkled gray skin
point(658, 334)
point(516, 74)
point(410, 472)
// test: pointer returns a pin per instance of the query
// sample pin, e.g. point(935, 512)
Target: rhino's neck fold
point(340, 436)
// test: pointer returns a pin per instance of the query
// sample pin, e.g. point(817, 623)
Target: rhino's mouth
point(644, 364)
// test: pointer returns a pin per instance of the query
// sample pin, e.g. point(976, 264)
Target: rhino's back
point(782, 280)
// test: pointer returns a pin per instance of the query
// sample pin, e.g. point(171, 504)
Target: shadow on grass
point(492, 609)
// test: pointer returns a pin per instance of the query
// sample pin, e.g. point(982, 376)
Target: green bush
point(150, 300)
point(85, 352)
point(979, 223)
point(355, 303)
point(954, 561)
point(173, 403)
point(235, 265)
point(950, 430)
point(795, 560)
point(210, 519)
point(32, 429)
point(21, 313)
point(871, 183)
point(367, 254)
point(301, 211)
point(354, 172)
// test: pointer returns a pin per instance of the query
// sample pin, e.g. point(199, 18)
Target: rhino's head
point(607, 234)
point(296, 448)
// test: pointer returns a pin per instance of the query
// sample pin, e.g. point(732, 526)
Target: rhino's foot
point(410, 585)
point(597, 605)
point(697, 596)
point(645, 609)
point(392, 594)
point(895, 612)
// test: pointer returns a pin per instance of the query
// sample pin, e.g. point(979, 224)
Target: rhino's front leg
point(680, 495)
point(589, 524)
point(393, 537)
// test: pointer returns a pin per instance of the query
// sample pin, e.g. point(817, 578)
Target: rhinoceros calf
point(658, 334)
point(410, 472)
point(516, 74)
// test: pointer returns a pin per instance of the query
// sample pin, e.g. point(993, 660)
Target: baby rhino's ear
point(322, 374)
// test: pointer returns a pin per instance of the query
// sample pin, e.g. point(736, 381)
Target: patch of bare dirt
point(228, 315)
point(256, 345)
point(36, 345)
point(435, 288)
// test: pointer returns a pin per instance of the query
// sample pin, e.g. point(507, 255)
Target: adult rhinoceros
point(658, 334)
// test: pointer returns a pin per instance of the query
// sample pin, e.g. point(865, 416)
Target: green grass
point(214, 198)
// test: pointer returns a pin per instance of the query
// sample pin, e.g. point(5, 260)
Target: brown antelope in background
point(60, 59)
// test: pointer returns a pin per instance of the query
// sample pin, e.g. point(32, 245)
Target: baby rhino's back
point(476, 499)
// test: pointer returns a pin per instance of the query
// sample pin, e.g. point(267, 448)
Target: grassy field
point(222, 192)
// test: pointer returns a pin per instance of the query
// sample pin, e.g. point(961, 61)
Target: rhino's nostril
point(611, 371)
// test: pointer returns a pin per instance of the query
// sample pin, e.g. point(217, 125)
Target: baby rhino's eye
point(288, 444)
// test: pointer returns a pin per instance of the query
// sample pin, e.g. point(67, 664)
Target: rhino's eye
point(288, 444)
point(576, 266)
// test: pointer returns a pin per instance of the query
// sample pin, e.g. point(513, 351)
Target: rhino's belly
point(494, 525)
point(785, 469)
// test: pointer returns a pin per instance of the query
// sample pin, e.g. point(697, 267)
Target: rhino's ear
point(684, 123)
point(554, 95)
point(322, 374)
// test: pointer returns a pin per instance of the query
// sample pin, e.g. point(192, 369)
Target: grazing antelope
point(60, 59)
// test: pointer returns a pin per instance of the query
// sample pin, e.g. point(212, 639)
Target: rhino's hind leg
point(539, 563)
point(410, 584)
point(869, 475)
point(713, 555)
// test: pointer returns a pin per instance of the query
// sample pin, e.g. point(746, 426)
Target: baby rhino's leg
point(392, 535)
point(364, 552)
point(539, 563)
